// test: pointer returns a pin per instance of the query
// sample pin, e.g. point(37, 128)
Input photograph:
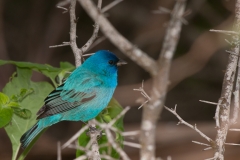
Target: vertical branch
point(236, 96)
point(152, 111)
point(95, 32)
point(73, 35)
point(223, 107)
point(78, 55)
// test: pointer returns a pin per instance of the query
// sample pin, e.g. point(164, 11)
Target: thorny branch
point(145, 95)
point(90, 150)
point(181, 121)
point(160, 83)
point(222, 114)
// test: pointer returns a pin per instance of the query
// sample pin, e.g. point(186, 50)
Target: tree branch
point(181, 121)
point(137, 55)
point(160, 83)
point(223, 107)
point(73, 34)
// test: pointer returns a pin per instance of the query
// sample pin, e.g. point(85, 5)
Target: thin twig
point(142, 91)
point(85, 47)
point(65, 9)
point(73, 35)
point(233, 129)
point(200, 143)
point(230, 52)
point(131, 144)
point(59, 157)
point(232, 144)
point(95, 43)
point(162, 10)
point(208, 102)
point(118, 40)
point(119, 116)
point(75, 136)
point(83, 157)
point(111, 5)
point(60, 45)
point(181, 121)
point(115, 145)
point(224, 31)
point(63, 3)
point(73, 146)
point(85, 55)
point(130, 133)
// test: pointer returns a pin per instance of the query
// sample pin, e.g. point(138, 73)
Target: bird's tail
point(27, 137)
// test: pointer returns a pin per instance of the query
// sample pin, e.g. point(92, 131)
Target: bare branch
point(118, 40)
point(160, 83)
point(142, 91)
point(225, 32)
point(236, 130)
point(232, 144)
point(222, 114)
point(181, 121)
point(59, 157)
point(60, 45)
point(119, 116)
point(75, 137)
point(95, 43)
point(130, 133)
point(208, 102)
point(134, 145)
point(63, 3)
point(111, 5)
point(94, 134)
point(73, 35)
point(73, 146)
point(65, 9)
point(115, 145)
point(83, 157)
point(236, 96)
point(95, 32)
point(200, 143)
point(162, 10)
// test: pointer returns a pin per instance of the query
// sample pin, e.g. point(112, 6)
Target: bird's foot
point(94, 131)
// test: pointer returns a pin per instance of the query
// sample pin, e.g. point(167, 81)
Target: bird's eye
point(111, 62)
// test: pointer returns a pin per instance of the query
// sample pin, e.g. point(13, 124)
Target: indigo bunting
point(85, 93)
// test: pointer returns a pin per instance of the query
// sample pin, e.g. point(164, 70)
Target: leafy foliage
point(22, 98)
point(23, 119)
point(47, 70)
point(113, 109)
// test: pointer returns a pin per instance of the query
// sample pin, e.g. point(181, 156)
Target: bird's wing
point(70, 95)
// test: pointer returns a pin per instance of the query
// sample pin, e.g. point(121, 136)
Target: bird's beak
point(121, 62)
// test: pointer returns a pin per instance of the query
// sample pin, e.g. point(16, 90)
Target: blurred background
point(29, 27)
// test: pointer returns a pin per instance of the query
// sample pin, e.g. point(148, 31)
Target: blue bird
point(84, 94)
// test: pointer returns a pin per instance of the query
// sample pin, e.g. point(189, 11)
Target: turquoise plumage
point(84, 94)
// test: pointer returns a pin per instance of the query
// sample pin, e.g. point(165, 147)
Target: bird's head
point(104, 62)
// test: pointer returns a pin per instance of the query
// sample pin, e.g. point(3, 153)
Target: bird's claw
point(94, 130)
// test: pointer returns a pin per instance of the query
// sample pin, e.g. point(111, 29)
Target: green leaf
point(23, 113)
point(32, 102)
point(45, 69)
point(6, 114)
point(5, 111)
point(13, 104)
point(113, 109)
point(3, 99)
